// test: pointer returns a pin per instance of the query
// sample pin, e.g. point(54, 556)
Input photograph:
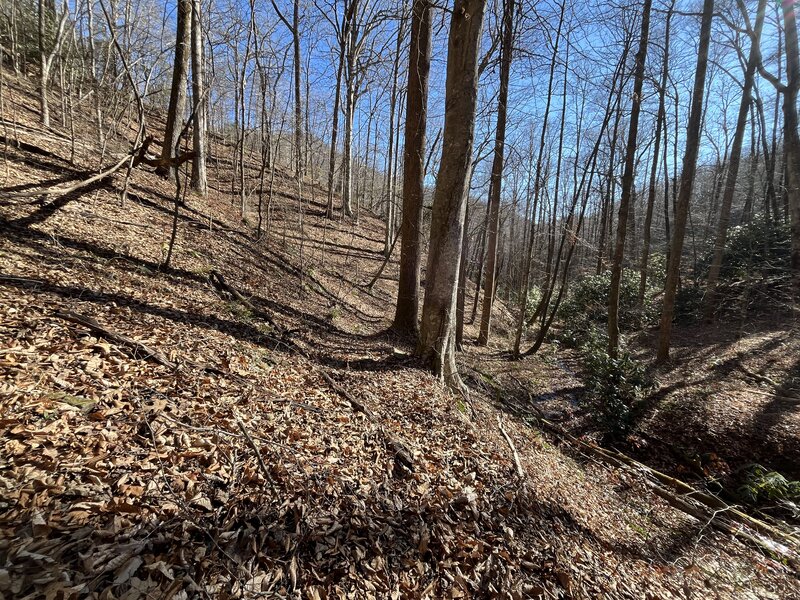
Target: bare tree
point(419, 64)
point(627, 185)
point(199, 124)
point(436, 344)
point(294, 30)
point(687, 181)
point(177, 97)
point(733, 165)
point(660, 127)
point(47, 56)
point(791, 136)
point(506, 54)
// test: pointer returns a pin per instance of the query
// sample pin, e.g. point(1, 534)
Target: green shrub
point(615, 386)
point(689, 304)
point(760, 248)
point(755, 267)
point(764, 486)
point(587, 304)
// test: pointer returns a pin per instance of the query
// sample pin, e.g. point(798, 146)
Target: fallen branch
point(137, 155)
point(257, 450)
point(773, 396)
point(401, 452)
point(687, 492)
point(226, 290)
point(758, 377)
point(517, 463)
point(139, 349)
point(61, 191)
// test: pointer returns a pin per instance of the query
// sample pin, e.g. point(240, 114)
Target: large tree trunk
point(436, 344)
point(407, 311)
point(506, 52)
point(199, 178)
point(627, 186)
point(177, 96)
point(733, 166)
point(687, 181)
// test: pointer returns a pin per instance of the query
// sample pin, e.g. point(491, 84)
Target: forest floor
point(287, 445)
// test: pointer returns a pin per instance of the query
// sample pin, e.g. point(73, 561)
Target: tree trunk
point(709, 301)
point(687, 181)
point(44, 106)
point(347, 166)
point(462, 284)
point(627, 186)
point(506, 53)
point(436, 345)
point(298, 99)
point(334, 131)
point(651, 191)
point(791, 141)
point(419, 63)
point(390, 162)
point(199, 177)
point(177, 96)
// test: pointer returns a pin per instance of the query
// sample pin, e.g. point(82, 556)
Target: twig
point(256, 449)
point(401, 453)
point(517, 463)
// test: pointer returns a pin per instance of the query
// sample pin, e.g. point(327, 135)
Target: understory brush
point(615, 387)
point(586, 307)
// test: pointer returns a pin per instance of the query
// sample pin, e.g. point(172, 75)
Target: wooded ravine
point(358, 299)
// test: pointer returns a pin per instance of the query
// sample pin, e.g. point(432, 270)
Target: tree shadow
point(241, 331)
point(48, 209)
point(41, 242)
point(778, 453)
point(22, 187)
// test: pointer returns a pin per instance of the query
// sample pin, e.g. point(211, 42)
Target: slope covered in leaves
point(283, 446)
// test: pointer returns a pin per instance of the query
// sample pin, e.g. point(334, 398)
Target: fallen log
point(63, 190)
point(138, 155)
point(712, 509)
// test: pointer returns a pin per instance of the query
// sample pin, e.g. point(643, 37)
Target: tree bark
point(627, 186)
point(199, 177)
point(687, 181)
point(506, 53)
point(177, 96)
point(436, 345)
point(407, 310)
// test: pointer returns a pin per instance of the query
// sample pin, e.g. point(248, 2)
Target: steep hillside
point(241, 424)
